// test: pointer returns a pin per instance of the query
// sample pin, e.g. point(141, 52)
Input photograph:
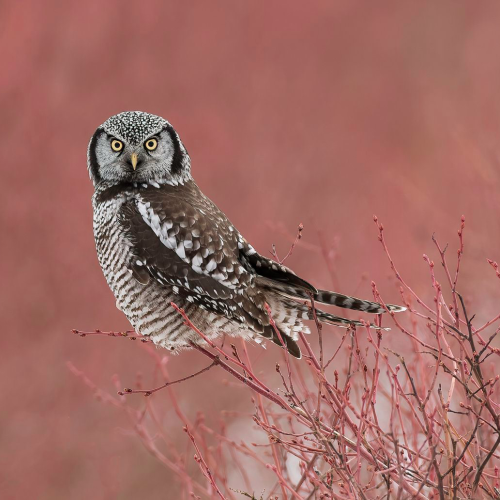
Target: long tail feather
point(331, 298)
point(323, 316)
point(339, 300)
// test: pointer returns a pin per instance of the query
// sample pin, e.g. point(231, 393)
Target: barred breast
point(147, 307)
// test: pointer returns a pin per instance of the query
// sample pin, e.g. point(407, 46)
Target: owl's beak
point(133, 158)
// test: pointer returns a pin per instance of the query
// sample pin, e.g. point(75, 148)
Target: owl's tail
point(278, 278)
point(289, 297)
point(339, 300)
point(289, 313)
point(306, 312)
point(331, 298)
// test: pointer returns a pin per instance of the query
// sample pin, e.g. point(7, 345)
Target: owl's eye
point(151, 144)
point(116, 145)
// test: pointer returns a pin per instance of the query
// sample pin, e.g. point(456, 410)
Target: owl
point(160, 240)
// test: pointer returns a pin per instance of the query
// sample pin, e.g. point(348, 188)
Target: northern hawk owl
point(160, 240)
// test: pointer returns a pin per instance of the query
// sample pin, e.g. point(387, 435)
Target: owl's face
point(137, 147)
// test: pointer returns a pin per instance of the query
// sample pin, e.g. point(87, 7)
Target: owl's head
point(134, 146)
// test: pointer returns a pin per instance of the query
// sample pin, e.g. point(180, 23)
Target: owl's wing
point(195, 251)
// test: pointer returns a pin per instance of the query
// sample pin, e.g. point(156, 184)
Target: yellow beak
point(134, 160)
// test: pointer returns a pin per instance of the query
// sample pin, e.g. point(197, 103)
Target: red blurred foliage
point(322, 113)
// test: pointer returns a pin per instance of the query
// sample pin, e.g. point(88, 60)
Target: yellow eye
point(151, 144)
point(116, 145)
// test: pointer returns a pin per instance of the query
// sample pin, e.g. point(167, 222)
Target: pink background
point(323, 114)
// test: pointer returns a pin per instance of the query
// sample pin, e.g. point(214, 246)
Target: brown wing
point(182, 240)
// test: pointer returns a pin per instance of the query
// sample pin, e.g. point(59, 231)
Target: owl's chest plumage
point(147, 306)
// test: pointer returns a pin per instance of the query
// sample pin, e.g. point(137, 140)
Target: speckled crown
point(134, 126)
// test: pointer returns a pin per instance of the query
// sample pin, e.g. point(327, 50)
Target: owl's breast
point(113, 249)
point(146, 306)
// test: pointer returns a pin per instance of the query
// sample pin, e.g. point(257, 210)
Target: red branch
point(372, 416)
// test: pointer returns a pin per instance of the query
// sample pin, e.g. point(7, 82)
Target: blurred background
point(325, 114)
